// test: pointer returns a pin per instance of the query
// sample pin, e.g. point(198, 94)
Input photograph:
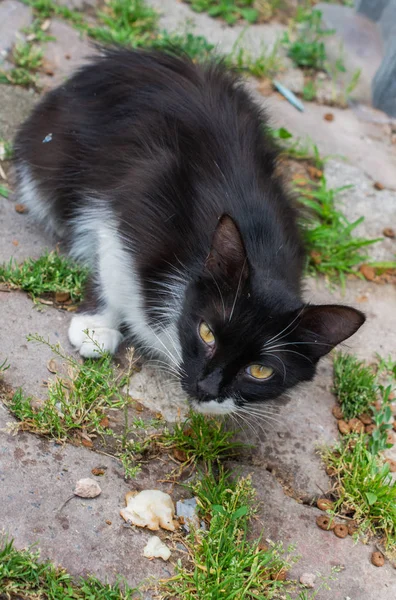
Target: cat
point(160, 175)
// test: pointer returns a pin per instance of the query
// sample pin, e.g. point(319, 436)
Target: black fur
point(182, 154)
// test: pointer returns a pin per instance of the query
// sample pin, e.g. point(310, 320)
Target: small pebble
point(325, 523)
point(343, 427)
point(308, 579)
point(378, 185)
point(352, 527)
point(365, 419)
point(325, 504)
point(328, 117)
point(20, 208)
point(87, 488)
point(337, 412)
point(367, 272)
point(355, 425)
point(377, 558)
point(389, 232)
point(341, 530)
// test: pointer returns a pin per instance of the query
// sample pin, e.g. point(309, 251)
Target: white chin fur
point(213, 407)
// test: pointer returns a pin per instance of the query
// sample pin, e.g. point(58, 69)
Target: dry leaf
point(87, 488)
point(98, 471)
point(87, 443)
point(62, 296)
point(52, 366)
point(20, 208)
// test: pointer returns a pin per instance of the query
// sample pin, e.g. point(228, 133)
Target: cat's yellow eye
point(206, 334)
point(259, 371)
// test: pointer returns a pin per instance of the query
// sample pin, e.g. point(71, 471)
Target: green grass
point(365, 487)
point(355, 385)
point(4, 192)
point(6, 150)
point(333, 249)
point(229, 10)
point(77, 398)
point(48, 274)
point(202, 438)
point(223, 563)
point(27, 59)
point(125, 22)
point(304, 44)
point(24, 575)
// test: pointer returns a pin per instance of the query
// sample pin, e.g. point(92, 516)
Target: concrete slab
point(365, 145)
point(280, 517)
point(14, 16)
point(357, 40)
point(16, 104)
point(37, 477)
point(70, 50)
point(178, 16)
point(377, 207)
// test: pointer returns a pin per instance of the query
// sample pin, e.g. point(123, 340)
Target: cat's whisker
point(167, 351)
point(221, 295)
point(237, 290)
point(280, 360)
point(278, 335)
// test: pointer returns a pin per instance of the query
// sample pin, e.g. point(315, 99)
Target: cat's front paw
point(89, 335)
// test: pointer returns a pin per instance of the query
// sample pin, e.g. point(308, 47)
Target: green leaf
point(217, 508)
point(371, 498)
point(241, 512)
point(4, 191)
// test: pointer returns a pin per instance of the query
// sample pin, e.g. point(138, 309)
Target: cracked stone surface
point(37, 476)
point(14, 17)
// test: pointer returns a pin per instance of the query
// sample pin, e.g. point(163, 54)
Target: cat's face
point(243, 345)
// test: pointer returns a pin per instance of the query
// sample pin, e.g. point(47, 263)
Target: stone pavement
point(38, 476)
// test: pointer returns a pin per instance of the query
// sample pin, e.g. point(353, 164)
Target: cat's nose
point(209, 387)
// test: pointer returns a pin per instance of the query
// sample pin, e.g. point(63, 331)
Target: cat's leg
point(95, 328)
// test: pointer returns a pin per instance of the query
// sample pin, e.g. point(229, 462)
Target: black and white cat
point(160, 175)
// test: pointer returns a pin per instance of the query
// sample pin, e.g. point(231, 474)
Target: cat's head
point(245, 341)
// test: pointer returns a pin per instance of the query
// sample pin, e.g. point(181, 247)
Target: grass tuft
point(333, 249)
point(355, 385)
point(23, 575)
point(48, 274)
point(365, 487)
point(229, 10)
point(202, 438)
point(222, 562)
point(77, 400)
point(27, 59)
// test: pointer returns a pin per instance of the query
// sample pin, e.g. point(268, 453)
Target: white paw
point(100, 335)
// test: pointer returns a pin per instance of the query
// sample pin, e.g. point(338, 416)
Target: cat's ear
point(324, 327)
point(227, 260)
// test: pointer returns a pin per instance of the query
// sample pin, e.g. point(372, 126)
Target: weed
point(196, 47)
point(229, 10)
point(22, 574)
point(309, 91)
point(265, 64)
point(223, 563)
point(333, 250)
point(76, 401)
point(126, 22)
point(364, 487)
point(355, 385)
point(382, 417)
point(202, 438)
point(5, 192)
point(302, 150)
point(27, 59)
point(307, 49)
point(50, 273)
point(6, 150)
point(4, 366)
